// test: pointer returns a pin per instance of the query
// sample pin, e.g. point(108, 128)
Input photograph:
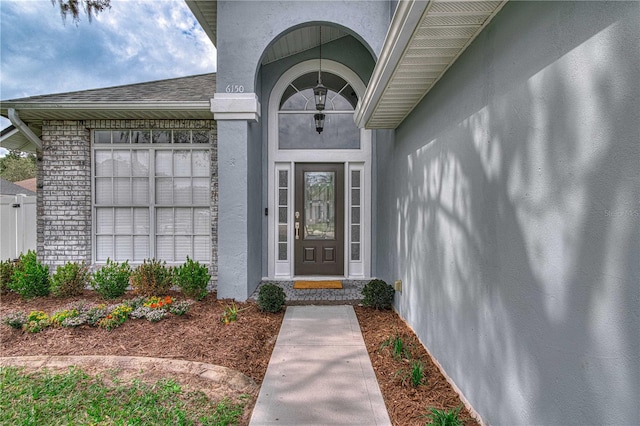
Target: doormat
point(303, 285)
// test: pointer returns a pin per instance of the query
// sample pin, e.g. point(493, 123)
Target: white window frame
point(152, 206)
point(280, 159)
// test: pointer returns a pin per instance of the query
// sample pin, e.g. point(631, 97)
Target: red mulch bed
point(245, 345)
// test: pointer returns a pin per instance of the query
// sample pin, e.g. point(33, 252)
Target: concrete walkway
point(320, 373)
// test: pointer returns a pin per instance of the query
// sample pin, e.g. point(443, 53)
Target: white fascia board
point(106, 106)
point(235, 106)
point(406, 19)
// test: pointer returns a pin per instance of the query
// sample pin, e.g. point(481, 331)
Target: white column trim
point(235, 106)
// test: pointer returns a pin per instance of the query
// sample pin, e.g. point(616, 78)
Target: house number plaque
point(234, 88)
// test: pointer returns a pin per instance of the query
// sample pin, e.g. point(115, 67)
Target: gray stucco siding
point(512, 203)
point(245, 30)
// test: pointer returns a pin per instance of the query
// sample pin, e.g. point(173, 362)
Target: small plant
point(37, 321)
point(444, 418)
point(271, 298)
point(116, 317)
point(30, 278)
point(58, 317)
point(192, 278)
point(417, 373)
point(15, 320)
point(6, 271)
point(230, 313)
point(156, 302)
point(111, 280)
point(70, 279)
point(398, 348)
point(181, 307)
point(97, 313)
point(152, 278)
point(378, 294)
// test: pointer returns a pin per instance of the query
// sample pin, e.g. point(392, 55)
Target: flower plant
point(108, 317)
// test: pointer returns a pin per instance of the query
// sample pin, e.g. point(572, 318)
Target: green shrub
point(444, 418)
point(152, 278)
point(6, 271)
point(378, 294)
point(192, 279)
point(30, 278)
point(271, 298)
point(112, 279)
point(70, 279)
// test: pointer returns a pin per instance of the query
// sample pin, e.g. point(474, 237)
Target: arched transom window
point(295, 117)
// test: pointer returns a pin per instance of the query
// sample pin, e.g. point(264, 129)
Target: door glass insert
point(319, 205)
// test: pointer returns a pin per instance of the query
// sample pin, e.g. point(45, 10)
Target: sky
point(134, 41)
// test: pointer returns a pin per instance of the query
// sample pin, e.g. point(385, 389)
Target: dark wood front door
point(319, 219)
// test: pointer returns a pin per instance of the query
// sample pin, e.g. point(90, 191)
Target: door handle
point(297, 230)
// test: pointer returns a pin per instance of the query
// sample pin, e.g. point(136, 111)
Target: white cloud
point(134, 41)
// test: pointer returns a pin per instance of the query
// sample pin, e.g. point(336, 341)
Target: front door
point(319, 219)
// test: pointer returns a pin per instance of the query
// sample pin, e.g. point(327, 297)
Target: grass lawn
point(45, 398)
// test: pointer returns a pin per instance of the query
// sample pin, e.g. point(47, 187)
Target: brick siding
point(64, 186)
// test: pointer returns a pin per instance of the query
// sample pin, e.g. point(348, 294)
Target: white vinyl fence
point(17, 225)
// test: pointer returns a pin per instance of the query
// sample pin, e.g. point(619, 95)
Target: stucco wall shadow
point(516, 212)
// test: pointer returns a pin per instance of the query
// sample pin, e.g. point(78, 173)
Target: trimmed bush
point(152, 278)
point(192, 279)
point(6, 272)
point(271, 298)
point(30, 278)
point(112, 279)
point(378, 294)
point(70, 279)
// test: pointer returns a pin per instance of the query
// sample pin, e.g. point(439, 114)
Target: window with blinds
point(152, 192)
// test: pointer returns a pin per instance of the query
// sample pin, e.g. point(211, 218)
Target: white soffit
point(417, 53)
point(206, 12)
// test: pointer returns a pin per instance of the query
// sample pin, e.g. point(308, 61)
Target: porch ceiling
point(300, 40)
point(424, 40)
